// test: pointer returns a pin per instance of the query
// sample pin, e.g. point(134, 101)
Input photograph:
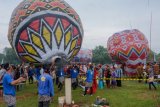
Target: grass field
point(132, 94)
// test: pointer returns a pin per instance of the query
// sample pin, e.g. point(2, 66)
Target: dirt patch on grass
point(20, 97)
point(147, 96)
point(144, 96)
point(82, 104)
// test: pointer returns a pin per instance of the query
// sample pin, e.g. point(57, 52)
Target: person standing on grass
point(101, 77)
point(139, 70)
point(119, 74)
point(151, 77)
point(95, 76)
point(107, 76)
point(2, 72)
point(37, 72)
point(31, 73)
point(45, 89)
point(8, 86)
point(113, 79)
point(89, 80)
point(16, 76)
point(74, 75)
point(53, 72)
point(60, 78)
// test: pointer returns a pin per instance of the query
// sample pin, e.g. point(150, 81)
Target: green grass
point(131, 94)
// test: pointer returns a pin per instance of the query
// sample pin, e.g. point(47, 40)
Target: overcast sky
point(101, 19)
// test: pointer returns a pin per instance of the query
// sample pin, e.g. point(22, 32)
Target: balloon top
point(42, 29)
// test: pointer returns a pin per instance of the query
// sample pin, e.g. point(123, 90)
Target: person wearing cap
point(8, 86)
point(45, 89)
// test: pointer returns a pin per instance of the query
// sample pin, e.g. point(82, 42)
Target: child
point(113, 79)
point(101, 101)
point(98, 100)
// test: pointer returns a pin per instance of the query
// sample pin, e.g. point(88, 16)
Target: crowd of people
point(88, 76)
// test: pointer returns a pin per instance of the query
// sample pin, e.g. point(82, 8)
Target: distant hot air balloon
point(84, 56)
point(42, 29)
point(129, 47)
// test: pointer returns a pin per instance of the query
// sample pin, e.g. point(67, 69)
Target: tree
point(1, 58)
point(100, 55)
point(10, 56)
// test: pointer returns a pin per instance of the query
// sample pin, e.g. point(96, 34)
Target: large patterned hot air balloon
point(129, 47)
point(42, 29)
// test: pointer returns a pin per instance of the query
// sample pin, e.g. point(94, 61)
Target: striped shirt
point(119, 72)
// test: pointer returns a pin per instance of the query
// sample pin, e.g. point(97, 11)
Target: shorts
point(88, 84)
point(113, 82)
point(43, 98)
point(10, 100)
point(74, 80)
point(61, 79)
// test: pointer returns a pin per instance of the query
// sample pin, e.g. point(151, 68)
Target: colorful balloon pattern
point(42, 29)
point(129, 47)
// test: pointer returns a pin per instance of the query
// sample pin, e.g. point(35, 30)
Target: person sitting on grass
point(45, 89)
point(101, 102)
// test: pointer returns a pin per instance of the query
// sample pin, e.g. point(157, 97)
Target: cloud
point(101, 18)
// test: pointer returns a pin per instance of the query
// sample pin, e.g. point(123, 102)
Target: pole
point(151, 32)
point(68, 90)
point(151, 36)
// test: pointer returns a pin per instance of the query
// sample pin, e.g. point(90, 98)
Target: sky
point(101, 19)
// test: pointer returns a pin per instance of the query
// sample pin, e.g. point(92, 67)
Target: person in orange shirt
point(151, 77)
point(140, 72)
point(156, 69)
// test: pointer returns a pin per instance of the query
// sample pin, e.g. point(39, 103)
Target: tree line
point(100, 55)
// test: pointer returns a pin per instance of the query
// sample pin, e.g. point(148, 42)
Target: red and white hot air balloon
point(129, 47)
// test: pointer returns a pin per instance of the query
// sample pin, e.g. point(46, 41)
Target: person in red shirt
point(95, 85)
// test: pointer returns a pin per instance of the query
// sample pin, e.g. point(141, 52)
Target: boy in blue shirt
point(89, 80)
point(45, 89)
point(74, 75)
point(8, 86)
point(37, 72)
point(31, 73)
point(60, 72)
